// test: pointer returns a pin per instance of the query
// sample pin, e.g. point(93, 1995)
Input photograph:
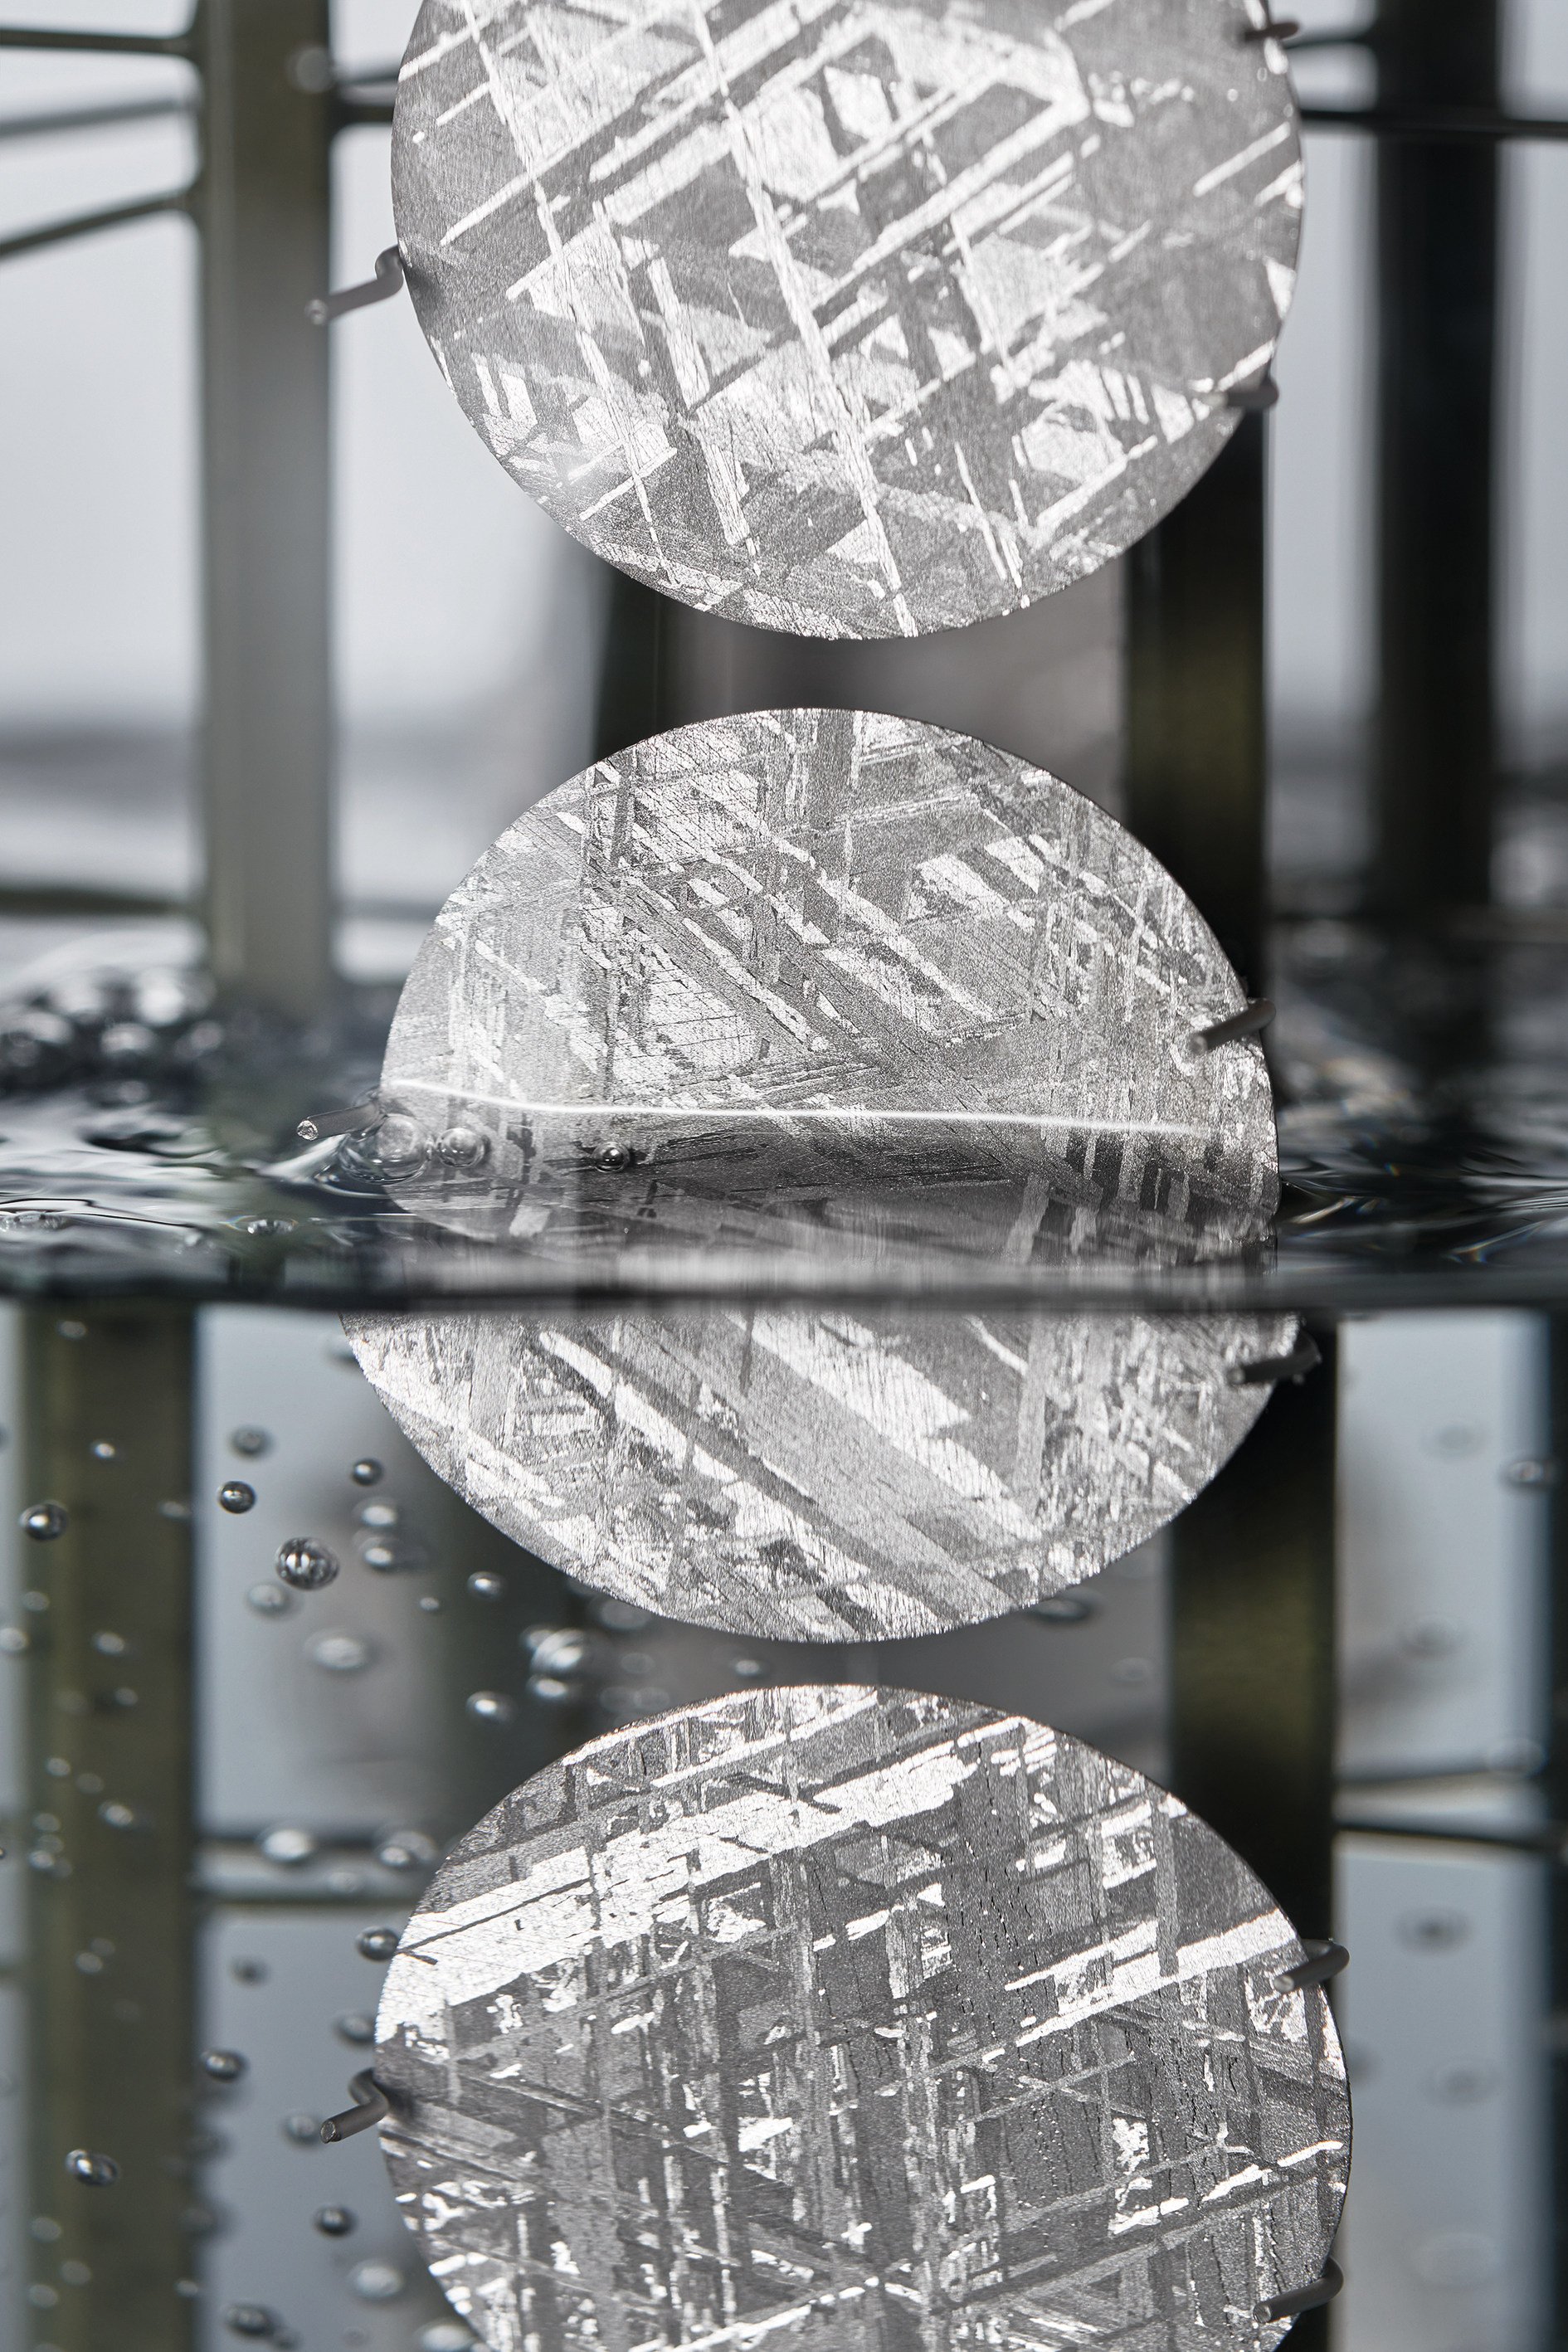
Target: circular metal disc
point(829, 2017)
point(855, 318)
point(821, 913)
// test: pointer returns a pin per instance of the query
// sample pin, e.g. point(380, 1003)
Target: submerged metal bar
point(1437, 123)
point(387, 282)
point(149, 44)
point(370, 2106)
point(32, 240)
point(90, 118)
point(268, 741)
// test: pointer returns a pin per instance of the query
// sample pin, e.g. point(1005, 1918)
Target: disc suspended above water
point(831, 2017)
point(853, 318)
point(868, 942)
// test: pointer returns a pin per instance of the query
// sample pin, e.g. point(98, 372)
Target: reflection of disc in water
point(860, 317)
point(830, 912)
point(830, 2017)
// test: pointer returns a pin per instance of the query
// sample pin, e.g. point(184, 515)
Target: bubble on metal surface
point(969, 2032)
point(860, 320)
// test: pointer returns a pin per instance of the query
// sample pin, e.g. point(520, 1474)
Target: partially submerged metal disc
point(830, 2018)
point(855, 318)
point(826, 913)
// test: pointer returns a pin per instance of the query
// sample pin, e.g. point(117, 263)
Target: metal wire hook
point(1324, 1959)
point(1304, 1357)
point(370, 2106)
point(388, 280)
point(1305, 2299)
point(1254, 1016)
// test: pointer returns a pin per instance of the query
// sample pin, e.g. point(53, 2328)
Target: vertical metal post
point(1557, 1794)
point(109, 1974)
point(1437, 216)
point(264, 216)
point(634, 681)
point(1196, 738)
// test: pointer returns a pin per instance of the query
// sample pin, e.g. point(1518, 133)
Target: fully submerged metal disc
point(853, 318)
point(840, 2020)
point(821, 913)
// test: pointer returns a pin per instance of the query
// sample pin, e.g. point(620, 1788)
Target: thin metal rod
point(33, 240)
point(1325, 1960)
point(1547, 1838)
point(387, 281)
point(1305, 2299)
point(354, 111)
point(1459, 122)
point(1268, 1370)
point(1245, 1024)
point(357, 1121)
point(90, 118)
point(149, 45)
point(370, 2106)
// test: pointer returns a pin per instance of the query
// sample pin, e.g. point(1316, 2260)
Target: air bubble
point(408, 1849)
point(490, 1707)
point(250, 1443)
point(377, 1943)
point(287, 1845)
point(44, 1521)
point(339, 1653)
point(464, 1147)
point(376, 2282)
point(560, 1650)
point(486, 1586)
point(303, 2130)
point(306, 1564)
point(223, 2065)
point(269, 1600)
point(334, 2220)
point(251, 2319)
point(357, 2030)
point(104, 1450)
point(236, 1496)
point(366, 1473)
point(96, 2172)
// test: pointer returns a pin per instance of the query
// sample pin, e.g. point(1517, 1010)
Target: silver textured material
point(825, 923)
point(856, 318)
point(852, 2021)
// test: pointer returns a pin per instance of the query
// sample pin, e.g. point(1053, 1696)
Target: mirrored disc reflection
point(858, 318)
point(812, 980)
point(821, 2017)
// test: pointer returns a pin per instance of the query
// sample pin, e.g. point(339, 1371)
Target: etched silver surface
point(824, 915)
point(854, 2020)
point(856, 318)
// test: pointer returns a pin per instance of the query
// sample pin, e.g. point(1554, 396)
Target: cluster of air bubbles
point(97, 2171)
point(306, 1564)
point(235, 1495)
point(44, 1521)
point(87, 1028)
point(223, 2065)
point(377, 1943)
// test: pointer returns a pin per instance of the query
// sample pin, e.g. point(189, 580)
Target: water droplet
point(376, 2282)
point(490, 1707)
point(357, 2030)
point(223, 2065)
point(560, 1650)
point(103, 1451)
point(250, 1443)
point(464, 1147)
point(287, 1845)
point(484, 1586)
point(269, 1600)
point(377, 1943)
point(236, 1496)
point(97, 2171)
point(304, 2131)
point(339, 1653)
point(44, 1521)
point(306, 1564)
point(334, 2220)
point(251, 2319)
point(366, 1472)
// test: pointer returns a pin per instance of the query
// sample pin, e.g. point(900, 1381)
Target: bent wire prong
point(1324, 1959)
point(1279, 28)
point(388, 280)
point(339, 1122)
point(1253, 398)
point(370, 2106)
point(1304, 1357)
point(1305, 2299)
point(1252, 1017)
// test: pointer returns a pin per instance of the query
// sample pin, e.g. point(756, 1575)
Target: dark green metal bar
point(1437, 232)
point(149, 44)
point(1433, 123)
point(1252, 1649)
point(269, 723)
point(89, 118)
point(1196, 736)
point(32, 240)
point(109, 1973)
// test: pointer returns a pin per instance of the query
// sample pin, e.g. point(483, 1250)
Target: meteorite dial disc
point(871, 944)
point(845, 2019)
point(853, 318)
